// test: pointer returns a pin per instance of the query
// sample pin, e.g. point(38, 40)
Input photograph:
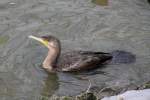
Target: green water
point(100, 2)
point(3, 39)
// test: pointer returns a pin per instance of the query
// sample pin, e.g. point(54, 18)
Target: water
point(101, 2)
point(81, 25)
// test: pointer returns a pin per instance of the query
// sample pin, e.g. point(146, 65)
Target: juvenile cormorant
point(69, 61)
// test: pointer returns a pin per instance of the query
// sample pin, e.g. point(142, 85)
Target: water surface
point(101, 2)
point(81, 25)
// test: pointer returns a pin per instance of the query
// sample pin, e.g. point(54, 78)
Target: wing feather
point(81, 60)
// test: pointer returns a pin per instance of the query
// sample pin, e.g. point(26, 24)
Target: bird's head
point(48, 40)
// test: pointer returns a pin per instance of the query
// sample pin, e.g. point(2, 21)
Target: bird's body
point(77, 60)
point(81, 60)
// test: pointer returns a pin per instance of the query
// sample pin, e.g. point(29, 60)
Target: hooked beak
point(44, 42)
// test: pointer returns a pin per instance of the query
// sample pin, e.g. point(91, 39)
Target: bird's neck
point(51, 58)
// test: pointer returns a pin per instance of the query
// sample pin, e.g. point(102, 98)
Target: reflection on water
point(101, 2)
point(50, 85)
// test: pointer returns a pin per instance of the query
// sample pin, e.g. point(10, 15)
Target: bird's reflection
point(50, 85)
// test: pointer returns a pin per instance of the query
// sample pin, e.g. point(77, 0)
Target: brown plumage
point(72, 60)
point(81, 60)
